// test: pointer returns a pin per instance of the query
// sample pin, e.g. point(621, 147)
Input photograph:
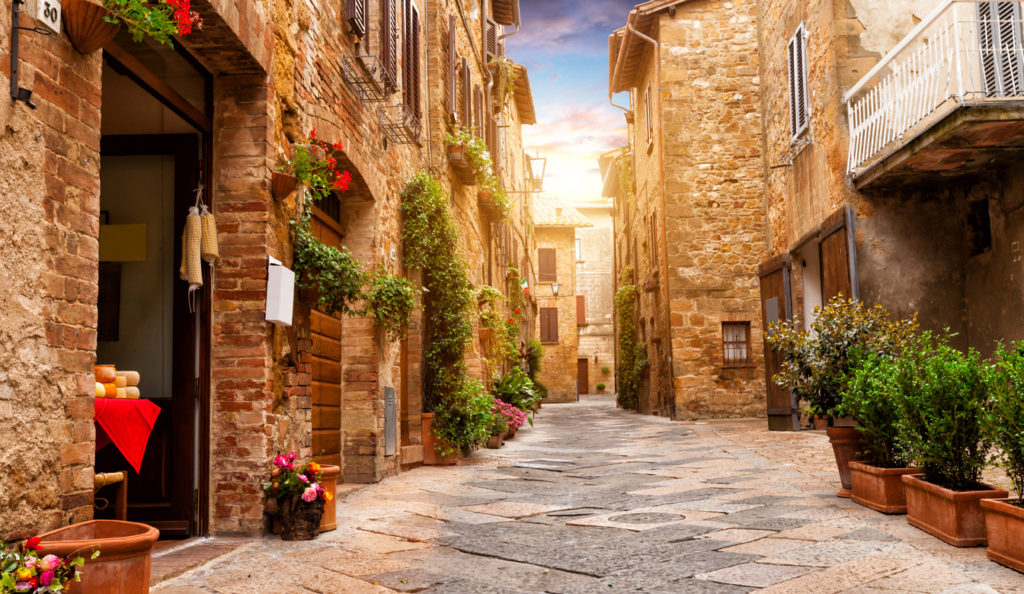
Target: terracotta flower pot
point(123, 566)
point(300, 520)
point(485, 334)
point(494, 442)
point(845, 441)
point(430, 455)
point(85, 25)
point(819, 422)
point(329, 480)
point(1004, 524)
point(459, 159)
point(954, 516)
point(511, 432)
point(881, 489)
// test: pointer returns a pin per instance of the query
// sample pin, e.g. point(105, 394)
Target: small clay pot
point(329, 480)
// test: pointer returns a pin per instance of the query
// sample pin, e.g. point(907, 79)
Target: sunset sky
point(564, 45)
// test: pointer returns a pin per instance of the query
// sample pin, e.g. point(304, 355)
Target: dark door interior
point(776, 306)
point(582, 376)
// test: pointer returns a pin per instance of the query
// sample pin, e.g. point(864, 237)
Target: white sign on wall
point(47, 12)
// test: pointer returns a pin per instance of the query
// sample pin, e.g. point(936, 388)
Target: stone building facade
point(689, 218)
point(145, 124)
point(923, 214)
point(555, 292)
point(595, 290)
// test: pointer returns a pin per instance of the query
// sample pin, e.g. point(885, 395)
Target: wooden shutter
point(406, 52)
point(491, 40)
point(581, 310)
point(453, 91)
point(389, 43)
point(1002, 59)
point(783, 414)
point(356, 10)
point(838, 267)
point(467, 82)
point(478, 111)
point(549, 324)
point(647, 115)
point(546, 272)
point(415, 22)
point(796, 57)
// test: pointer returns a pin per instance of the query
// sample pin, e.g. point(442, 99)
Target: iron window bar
point(367, 76)
point(399, 124)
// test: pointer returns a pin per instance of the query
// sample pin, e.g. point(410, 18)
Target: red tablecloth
point(127, 423)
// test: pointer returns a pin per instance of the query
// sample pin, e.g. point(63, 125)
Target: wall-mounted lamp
point(554, 289)
point(51, 18)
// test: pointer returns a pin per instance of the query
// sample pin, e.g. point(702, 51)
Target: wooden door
point(838, 269)
point(326, 331)
point(776, 305)
point(163, 494)
point(582, 376)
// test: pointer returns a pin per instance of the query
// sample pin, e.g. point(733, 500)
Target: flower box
point(1004, 525)
point(953, 516)
point(880, 489)
point(458, 157)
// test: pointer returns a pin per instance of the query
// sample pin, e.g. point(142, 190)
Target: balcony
point(946, 102)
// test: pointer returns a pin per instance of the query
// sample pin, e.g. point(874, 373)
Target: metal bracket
point(19, 93)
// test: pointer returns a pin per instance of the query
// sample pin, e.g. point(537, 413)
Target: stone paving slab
point(595, 499)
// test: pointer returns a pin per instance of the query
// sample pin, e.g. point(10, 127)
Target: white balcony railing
point(964, 51)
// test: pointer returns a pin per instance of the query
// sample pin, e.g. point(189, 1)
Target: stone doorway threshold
point(173, 558)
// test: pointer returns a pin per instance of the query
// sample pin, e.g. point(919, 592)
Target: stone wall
point(558, 369)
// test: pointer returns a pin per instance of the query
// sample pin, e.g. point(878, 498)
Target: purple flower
point(45, 578)
point(309, 495)
point(23, 586)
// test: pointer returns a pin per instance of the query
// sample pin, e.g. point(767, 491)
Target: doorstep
point(175, 558)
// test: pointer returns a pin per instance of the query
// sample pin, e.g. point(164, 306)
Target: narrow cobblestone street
point(595, 499)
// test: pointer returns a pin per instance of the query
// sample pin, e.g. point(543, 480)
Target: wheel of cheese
point(100, 390)
point(131, 377)
point(132, 392)
point(110, 390)
point(120, 381)
point(105, 374)
point(122, 392)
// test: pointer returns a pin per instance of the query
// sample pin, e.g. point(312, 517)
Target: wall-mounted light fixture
point(554, 289)
point(51, 18)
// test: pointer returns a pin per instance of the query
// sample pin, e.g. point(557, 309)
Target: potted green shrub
point(872, 400)
point(600, 388)
point(1004, 518)
point(945, 401)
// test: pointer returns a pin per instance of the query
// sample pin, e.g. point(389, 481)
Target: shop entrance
point(154, 155)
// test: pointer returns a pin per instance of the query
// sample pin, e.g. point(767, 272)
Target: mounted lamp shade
point(123, 243)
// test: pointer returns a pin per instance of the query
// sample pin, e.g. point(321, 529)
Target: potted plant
point(1004, 518)
point(817, 363)
point(461, 421)
point(944, 401)
point(600, 388)
point(499, 425)
point(34, 570)
point(125, 553)
point(90, 26)
point(297, 497)
point(870, 398)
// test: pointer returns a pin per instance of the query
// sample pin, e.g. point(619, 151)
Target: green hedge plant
point(872, 399)
point(1006, 420)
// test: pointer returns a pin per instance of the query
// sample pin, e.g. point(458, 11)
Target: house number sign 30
point(48, 14)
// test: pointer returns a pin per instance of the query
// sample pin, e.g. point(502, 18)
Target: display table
point(127, 423)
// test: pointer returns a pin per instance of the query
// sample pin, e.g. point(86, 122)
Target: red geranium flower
point(312, 133)
point(32, 544)
point(337, 146)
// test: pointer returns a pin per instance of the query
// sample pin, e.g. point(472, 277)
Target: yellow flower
point(328, 495)
point(314, 467)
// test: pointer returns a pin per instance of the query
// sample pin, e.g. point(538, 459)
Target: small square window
point(736, 344)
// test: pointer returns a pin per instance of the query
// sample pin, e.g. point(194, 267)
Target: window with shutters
point(647, 116)
point(491, 33)
point(478, 111)
point(389, 43)
point(736, 344)
point(546, 265)
point(654, 239)
point(581, 310)
point(549, 324)
point(357, 12)
point(796, 60)
point(1002, 56)
point(452, 80)
point(466, 82)
point(411, 59)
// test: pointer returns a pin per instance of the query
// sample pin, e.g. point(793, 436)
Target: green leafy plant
point(605, 369)
point(944, 396)
point(871, 397)
point(163, 20)
point(466, 418)
point(534, 356)
point(632, 357)
point(390, 301)
point(490, 307)
point(1006, 420)
point(817, 363)
point(516, 388)
point(506, 73)
point(600, 387)
point(482, 165)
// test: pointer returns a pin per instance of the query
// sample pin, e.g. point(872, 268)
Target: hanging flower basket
point(459, 159)
point(488, 205)
point(86, 25)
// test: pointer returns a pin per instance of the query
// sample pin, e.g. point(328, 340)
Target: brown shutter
point(494, 145)
point(389, 43)
point(356, 11)
point(453, 92)
point(581, 310)
point(837, 266)
point(466, 90)
point(549, 324)
point(546, 270)
point(416, 107)
point(491, 39)
point(406, 52)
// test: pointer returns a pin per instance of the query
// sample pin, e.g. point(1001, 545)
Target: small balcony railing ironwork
point(367, 77)
point(399, 124)
point(964, 52)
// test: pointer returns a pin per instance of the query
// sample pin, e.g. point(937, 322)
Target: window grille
point(736, 343)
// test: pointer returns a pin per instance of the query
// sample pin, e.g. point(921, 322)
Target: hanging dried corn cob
point(210, 251)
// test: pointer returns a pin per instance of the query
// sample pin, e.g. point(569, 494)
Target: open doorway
point(154, 155)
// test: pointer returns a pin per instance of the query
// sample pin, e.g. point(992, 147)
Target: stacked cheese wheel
point(111, 383)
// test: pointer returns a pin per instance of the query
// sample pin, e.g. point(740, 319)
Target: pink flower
point(22, 586)
point(291, 456)
point(45, 578)
point(309, 495)
point(30, 562)
point(280, 461)
point(49, 562)
point(303, 478)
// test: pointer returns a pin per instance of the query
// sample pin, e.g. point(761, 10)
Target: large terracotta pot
point(954, 516)
point(300, 520)
point(85, 25)
point(494, 442)
point(881, 489)
point(845, 441)
point(430, 455)
point(1004, 523)
point(329, 480)
point(123, 566)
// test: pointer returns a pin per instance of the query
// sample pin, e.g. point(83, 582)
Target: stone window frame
point(728, 345)
point(799, 99)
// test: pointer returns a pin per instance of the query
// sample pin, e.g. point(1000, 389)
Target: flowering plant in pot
point(944, 397)
point(298, 496)
point(91, 25)
point(1004, 518)
point(36, 572)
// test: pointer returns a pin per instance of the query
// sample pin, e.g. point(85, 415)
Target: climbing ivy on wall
point(632, 358)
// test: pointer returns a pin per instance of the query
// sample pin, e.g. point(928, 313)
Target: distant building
point(595, 295)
